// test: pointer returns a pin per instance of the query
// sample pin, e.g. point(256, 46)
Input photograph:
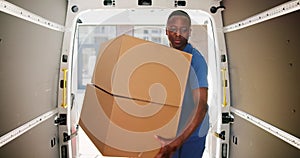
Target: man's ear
point(167, 31)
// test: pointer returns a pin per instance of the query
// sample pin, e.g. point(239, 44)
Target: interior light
point(179, 3)
point(144, 2)
point(108, 2)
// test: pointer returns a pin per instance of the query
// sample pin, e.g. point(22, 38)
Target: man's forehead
point(178, 18)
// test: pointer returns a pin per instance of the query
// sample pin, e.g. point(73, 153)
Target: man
point(190, 142)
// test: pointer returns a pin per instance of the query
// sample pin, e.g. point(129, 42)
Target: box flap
point(142, 70)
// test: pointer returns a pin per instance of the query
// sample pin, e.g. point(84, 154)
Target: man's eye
point(173, 29)
point(183, 30)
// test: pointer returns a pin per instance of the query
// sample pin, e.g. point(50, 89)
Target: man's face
point(178, 31)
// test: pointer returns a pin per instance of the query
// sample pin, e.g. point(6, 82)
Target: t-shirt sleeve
point(198, 71)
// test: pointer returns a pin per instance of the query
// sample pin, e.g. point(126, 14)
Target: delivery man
point(190, 142)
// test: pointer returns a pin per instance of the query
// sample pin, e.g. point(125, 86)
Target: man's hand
point(168, 147)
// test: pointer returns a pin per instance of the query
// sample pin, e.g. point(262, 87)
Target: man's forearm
point(200, 98)
point(197, 120)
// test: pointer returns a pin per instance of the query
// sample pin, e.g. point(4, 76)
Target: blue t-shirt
point(197, 79)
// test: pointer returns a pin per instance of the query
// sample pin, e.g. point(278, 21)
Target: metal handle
point(224, 87)
point(64, 98)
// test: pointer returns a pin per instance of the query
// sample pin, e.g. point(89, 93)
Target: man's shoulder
point(198, 57)
point(194, 51)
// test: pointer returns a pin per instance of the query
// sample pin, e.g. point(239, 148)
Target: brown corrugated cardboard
point(118, 133)
point(131, 67)
point(137, 92)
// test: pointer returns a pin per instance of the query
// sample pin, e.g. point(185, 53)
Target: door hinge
point(69, 137)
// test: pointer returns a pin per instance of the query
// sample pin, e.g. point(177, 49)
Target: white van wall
point(29, 69)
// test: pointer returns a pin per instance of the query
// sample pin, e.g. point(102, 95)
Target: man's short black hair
point(180, 13)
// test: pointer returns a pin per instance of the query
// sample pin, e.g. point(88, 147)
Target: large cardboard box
point(136, 93)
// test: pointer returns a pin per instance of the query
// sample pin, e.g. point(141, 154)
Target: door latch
point(220, 135)
point(227, 118)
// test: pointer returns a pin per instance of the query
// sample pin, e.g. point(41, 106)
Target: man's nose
point(177, 32)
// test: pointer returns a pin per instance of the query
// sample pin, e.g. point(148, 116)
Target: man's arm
point(200, 99)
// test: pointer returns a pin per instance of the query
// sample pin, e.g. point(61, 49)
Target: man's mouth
point(177, 41)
